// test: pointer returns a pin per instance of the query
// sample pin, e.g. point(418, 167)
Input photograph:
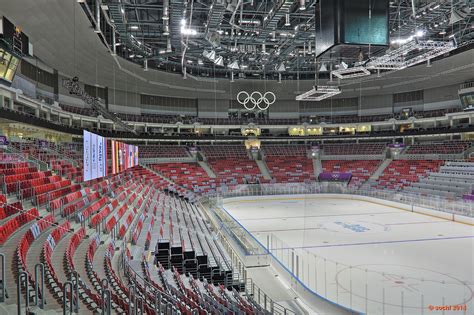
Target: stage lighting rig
point(319, 93)
point(350, 73)
point(411, 53)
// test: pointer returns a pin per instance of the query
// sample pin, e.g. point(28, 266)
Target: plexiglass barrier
point(378, 288)
point(460, 207)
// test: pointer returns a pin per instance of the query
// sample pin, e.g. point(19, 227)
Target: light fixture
point(456, 16)
point(234, 65)
point(166, 30)
point(349, 73)
point(134, 27)
point(319, 93)
point(211, 55)
point(281, 67)
point(188, 31)
point(302, 5)
point(219, 61)
point(287, 20)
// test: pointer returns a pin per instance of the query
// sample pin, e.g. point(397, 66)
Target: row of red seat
point(50, 187)
point(138, 229)
point(285, 150)
point(361, 170)
point(188, 175)
point(7, 210)
point(39, 181)
point(28, 238)
point(4, 166)
point(354, 148)
point(286, 169)
point(17, 170)
point(48, 248)
point(12, 180)
point(402, 173)
point(78, 204)
point(99, 217)
point(443, 147)
point(42, 189)
point(54, 194)
point(150, 229)
point(64, 200)
point(74, 242)
point(124, 227)
point(232, 171)
point(93, 208)
point(16, 222)
point(115, 218)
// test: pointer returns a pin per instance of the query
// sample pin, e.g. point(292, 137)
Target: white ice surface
point(388, 260)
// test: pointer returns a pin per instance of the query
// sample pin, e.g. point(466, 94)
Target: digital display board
point(8, 65)
point(124, 156)
point(351, 22)
point(13, 35)
point(363, 28)
point(95, 156)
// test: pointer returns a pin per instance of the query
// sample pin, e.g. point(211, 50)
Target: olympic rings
point(256, 99)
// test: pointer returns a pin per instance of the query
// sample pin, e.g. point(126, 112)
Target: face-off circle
point(393, 285)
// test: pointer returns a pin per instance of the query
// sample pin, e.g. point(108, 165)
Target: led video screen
point(95, 156)
point(124, 156)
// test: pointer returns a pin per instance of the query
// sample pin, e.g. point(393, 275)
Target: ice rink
point(372, 258)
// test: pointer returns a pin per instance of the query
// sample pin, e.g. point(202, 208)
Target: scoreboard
point(17, 41)
point(351, 23)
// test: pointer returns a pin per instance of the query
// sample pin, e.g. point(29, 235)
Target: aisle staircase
point(317, 167)
point(262, 166)
point(380, 169)
point(207, 169)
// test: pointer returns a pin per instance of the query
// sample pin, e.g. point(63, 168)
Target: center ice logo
point(353, 227)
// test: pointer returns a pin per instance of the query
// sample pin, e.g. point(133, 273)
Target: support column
point(2, 101)
point(10, 103)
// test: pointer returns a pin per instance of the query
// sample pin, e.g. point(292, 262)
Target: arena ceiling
point(256, 38)
point(64, 39)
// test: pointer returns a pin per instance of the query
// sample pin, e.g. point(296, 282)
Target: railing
point(466, 85)
point(352, 157)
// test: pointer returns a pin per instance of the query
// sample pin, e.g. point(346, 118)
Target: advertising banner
point(95, 156)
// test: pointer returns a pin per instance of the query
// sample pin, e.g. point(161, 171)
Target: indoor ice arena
point(237, 157)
